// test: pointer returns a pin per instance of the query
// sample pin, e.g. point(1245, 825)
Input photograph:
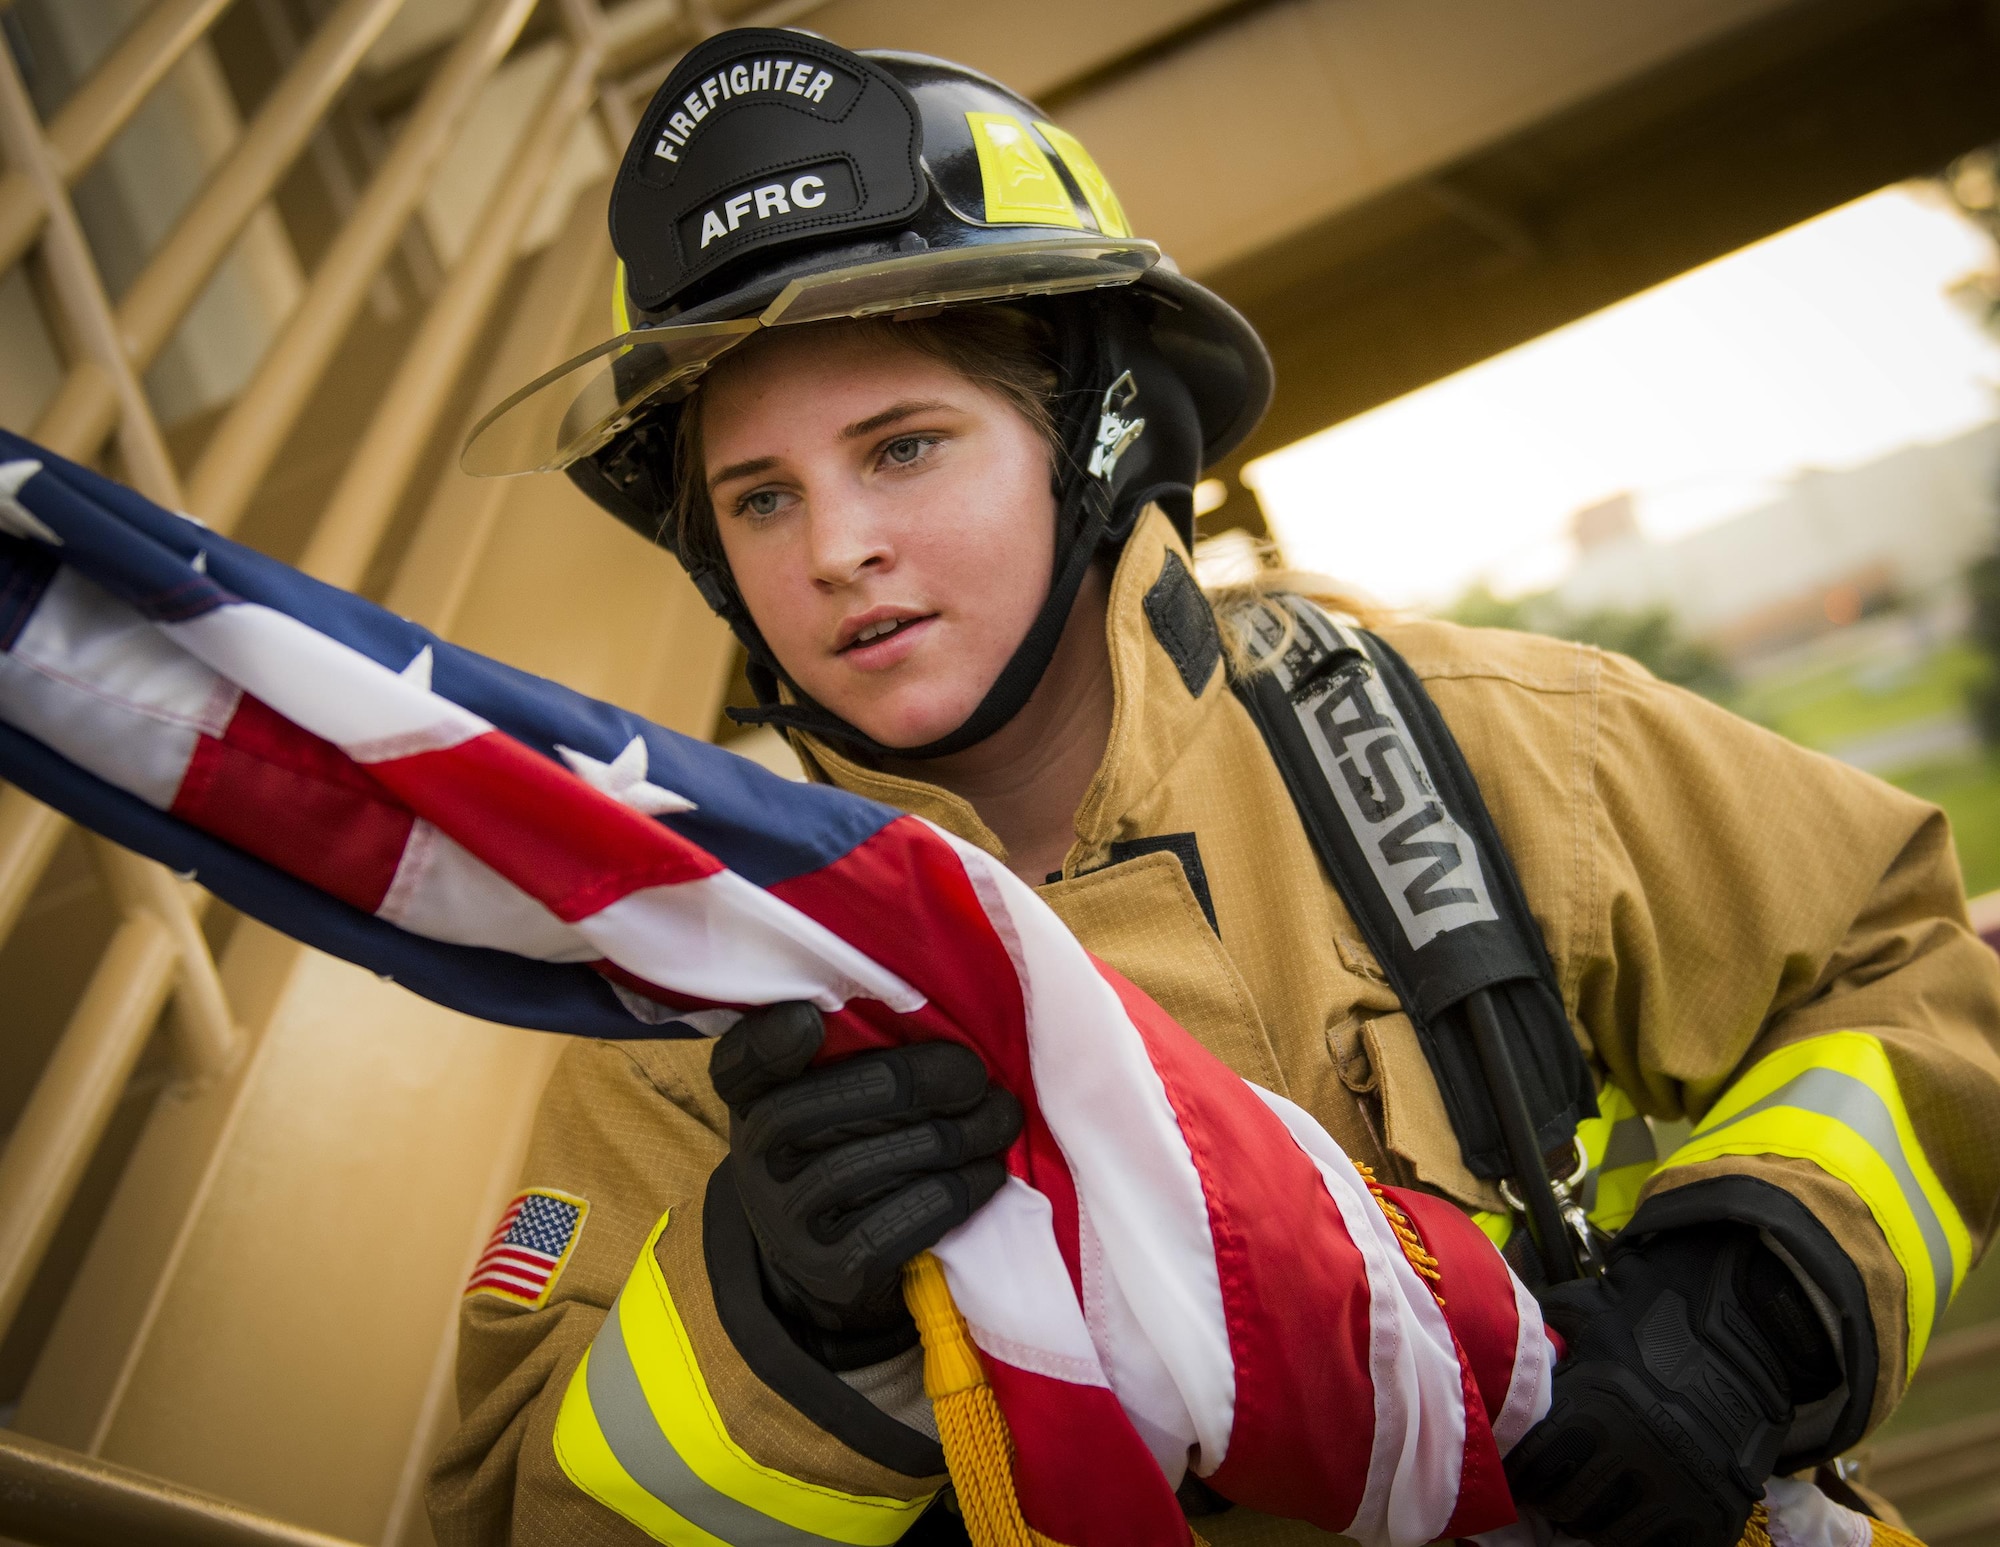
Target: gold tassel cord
point(1423, 1262)
point(1886, 1535)
point(977, 1447)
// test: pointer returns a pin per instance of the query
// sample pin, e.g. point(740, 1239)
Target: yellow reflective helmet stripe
point(621, 309)
point(639, 1432)
point(1833, 1100)
point(1021, 184)
point(1104, 205)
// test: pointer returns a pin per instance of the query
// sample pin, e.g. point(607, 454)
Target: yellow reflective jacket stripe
point(1499, 1226)
point(1618, 1149)
point(1833, 1100)
point(639, 1431)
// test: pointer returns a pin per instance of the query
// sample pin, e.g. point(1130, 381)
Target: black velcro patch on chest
point(1184, 624)
point(1183, 848)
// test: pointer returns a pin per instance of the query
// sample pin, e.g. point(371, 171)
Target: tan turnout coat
point(1709, 893)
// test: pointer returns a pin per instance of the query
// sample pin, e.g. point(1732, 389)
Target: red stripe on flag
point(506, 1224)
point(1294, 1289)
point(297, 802)
point(536, 1275)
point(1478, 1296)
point(656, 992)
point(948, 946)
point(950, 951)
point(1485, 1502)
point(529, 1289)
point(1477, 1290)
point(1081, 1472)
point(568, 846)
point(516, 1257)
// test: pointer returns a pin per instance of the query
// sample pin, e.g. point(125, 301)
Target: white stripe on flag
point(442, 892)
point(1528, 1394)
point(1134, 1174)
point(366, 709)
point(1419, 1451)
point(728, 939)
point(1007, 1275)
point(1144, 1385)
point(93, 680)
point(524, 1278)
point(524, 1264)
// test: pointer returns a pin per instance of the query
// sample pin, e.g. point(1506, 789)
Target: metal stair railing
point(52, 1497)
point(1935, 1474)
point(157, 956)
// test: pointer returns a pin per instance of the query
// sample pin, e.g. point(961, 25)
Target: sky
point(1823, 346)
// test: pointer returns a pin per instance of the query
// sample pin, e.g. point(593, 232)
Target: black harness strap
point(1398, 821)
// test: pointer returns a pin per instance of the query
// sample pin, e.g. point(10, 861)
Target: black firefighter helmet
point(778, 179)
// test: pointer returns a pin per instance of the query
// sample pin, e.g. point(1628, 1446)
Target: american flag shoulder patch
point(529, 1247)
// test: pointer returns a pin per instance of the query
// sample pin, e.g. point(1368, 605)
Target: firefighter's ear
point(764, 1050)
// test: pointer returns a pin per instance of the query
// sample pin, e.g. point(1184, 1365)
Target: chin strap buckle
point(1115, 432)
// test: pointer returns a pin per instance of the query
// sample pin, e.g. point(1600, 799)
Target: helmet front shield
point(583, 404)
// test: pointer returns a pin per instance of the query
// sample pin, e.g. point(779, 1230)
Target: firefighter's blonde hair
point(1237, 600)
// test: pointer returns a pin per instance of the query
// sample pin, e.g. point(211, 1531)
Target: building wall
point(1916, 516)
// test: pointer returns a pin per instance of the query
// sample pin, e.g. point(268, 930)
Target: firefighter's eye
point(907, 450)
point(762, 504)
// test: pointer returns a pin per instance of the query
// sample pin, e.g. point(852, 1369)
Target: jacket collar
point(1156, 625)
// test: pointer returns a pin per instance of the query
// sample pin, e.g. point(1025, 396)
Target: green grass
point(1829, 708)
point(1970, 794)
point(1938, 1398)
point(1834, 706)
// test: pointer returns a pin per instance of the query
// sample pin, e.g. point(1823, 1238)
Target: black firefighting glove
point(848, 1171)
point(1684, 1363)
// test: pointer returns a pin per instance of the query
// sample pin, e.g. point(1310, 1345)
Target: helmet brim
point(1218, 355)
point(583, 404)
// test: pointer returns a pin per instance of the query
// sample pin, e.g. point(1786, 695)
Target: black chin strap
point(1086, 525)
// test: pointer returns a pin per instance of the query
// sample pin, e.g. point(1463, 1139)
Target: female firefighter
point(921, 417)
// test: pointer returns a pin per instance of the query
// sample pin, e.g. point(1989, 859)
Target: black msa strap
point(1398, 821)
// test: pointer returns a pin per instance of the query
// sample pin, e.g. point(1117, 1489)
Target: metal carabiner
point(1588, 1239)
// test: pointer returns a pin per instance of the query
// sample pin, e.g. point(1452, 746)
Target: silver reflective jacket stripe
point(649, 1457)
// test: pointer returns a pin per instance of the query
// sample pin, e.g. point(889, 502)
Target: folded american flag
point(1181, 1270)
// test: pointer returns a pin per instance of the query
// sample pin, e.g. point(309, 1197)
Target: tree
point(1973, 183)
point(1982, 584)
point(1651, 636)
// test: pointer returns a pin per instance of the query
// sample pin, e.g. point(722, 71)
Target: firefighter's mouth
point(875, 631)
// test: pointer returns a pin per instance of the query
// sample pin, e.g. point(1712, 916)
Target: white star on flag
point(16, 520)
point(418, 672)
point(624, 779)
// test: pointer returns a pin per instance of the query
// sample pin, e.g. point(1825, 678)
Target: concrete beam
point(1038, 47)
point(1257, 132)
point(1721, 147)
